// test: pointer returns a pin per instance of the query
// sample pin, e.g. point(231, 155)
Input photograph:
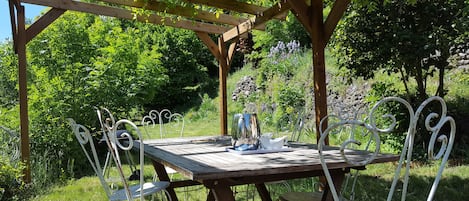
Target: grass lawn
point(373, 184)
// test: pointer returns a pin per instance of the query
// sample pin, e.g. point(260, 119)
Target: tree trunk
point(421, 92)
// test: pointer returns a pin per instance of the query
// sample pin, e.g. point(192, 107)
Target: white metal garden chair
point(169, 124)
point(351, 178)
point(129, 192)
point(104, 115)
point(373, 126)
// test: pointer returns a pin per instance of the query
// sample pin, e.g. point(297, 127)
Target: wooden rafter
point(334, 16)
point(236, 6)
point(181, 11)
point(260, 20)
point(212, 46)
point(43, 22)
point(127, 14)
point(231, 5)
point(302, 12)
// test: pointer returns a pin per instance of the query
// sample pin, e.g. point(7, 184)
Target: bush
point(10, 175)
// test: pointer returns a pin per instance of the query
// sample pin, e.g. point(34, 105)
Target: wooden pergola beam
point(302, 13)
point(260, 20)
point(181, 11)
point(43, 22)
point(127, 14)
point(337, 11)
point(212, 46)
point(236, 6)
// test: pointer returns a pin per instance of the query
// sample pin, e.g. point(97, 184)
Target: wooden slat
point(333, 18)
point(258, 21)
point(43, 22)
point(210, 161)
point(127, 14)
point(181, 11)
point(270, 13)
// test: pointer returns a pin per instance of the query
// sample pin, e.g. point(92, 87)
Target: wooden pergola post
point(310, 14)
point(23, 90)
point(224, 57)
point(21, 36)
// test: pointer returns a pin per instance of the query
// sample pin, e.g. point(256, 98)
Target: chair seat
point(301, 196)
point(148, 189)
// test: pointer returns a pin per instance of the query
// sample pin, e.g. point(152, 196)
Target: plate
point(258, 151)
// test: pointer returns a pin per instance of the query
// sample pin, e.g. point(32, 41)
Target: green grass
point(85, 188)
point(373, 184)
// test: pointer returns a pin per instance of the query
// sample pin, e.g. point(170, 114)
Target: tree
point(412, 39)
point(190, 68)
point(8, 75)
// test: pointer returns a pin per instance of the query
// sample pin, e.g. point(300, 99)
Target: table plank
point(207, 159)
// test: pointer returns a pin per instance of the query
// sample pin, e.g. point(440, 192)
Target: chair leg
point(106, 163)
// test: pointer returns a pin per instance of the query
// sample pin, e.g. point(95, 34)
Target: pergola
point(239, 20)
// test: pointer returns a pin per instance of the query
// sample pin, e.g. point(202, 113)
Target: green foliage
point(11, 169)
point(10, 179)
point(278, 31)
point(282, 86)
point(82, 61)
point(206, 109)
point(8, 75)
point(399, 37)
point(190, 68)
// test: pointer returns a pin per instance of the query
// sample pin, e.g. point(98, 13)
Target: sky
point(5, 25)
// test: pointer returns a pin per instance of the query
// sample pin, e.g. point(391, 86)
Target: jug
point(245, 130)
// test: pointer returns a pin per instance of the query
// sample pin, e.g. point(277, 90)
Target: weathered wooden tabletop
point(206, 160)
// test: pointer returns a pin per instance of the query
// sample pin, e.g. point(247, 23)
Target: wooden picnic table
point(205, 160)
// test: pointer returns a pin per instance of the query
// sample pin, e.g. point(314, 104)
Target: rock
point(245, 87)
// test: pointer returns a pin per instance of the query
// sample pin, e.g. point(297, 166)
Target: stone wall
point(461, 56)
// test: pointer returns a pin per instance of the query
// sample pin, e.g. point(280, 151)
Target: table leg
point(338, 178)
point(222, 192)
point(263, 192)
point(163, 176)
point(210, 196)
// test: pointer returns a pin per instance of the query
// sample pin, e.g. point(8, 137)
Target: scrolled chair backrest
point(110, 126)
point(163, 118)
point(85, 139)
point(375, 124)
